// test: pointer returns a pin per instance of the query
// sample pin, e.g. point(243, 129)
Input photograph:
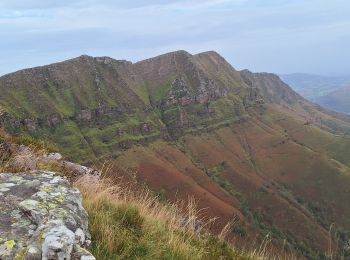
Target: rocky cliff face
point(272, 88)
point(275, 91)
point(41, 217)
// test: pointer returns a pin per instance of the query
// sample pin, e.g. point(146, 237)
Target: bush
point(240, 230)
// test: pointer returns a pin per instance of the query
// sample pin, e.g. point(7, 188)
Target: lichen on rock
point(41, 217)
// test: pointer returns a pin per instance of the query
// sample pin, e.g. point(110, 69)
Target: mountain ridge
point(244, 144)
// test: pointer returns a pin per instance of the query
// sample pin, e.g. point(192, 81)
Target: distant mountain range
point(330, 92)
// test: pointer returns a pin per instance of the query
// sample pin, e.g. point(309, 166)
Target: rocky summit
point(41, 217)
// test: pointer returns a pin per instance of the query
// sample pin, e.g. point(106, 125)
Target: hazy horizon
point(283, 37)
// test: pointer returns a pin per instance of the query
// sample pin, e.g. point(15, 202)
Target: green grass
point(62, 99)
point(159, 92)
point(134, 225)
point(142, 92)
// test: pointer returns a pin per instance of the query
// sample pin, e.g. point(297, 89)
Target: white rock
point(33, 253)
point(54, 156)
point(58, 241)
point(80, 236)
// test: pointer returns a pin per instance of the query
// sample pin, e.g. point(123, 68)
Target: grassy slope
point(286, 175)
point(269, 166)
point(129, 224)
point(71, 87)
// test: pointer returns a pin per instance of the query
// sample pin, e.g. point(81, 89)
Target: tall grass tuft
point(126, 223)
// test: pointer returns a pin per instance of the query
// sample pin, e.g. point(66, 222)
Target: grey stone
point(54, 156)
point(41, 217)
point(33, 253)
point(80, 236)
point(58, 241)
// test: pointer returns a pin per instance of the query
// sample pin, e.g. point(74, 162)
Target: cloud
point(277, 36)
point(36, 4)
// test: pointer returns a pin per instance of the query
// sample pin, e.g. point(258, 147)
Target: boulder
point(24, 158)
point(41, 217)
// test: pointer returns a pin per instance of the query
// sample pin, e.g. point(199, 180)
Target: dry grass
point(127, 223)
point(18, 153)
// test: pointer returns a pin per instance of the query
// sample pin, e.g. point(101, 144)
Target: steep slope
point(192, 92)
point(124, 220)
point(244, 144)
point(272, 88)
point(92, 104)
point(278, 93)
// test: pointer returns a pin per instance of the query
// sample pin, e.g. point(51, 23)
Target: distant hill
point(338, 100)
point(330, 92)
point(313, 87)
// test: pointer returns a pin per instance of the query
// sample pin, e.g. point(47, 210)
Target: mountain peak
point(85, 56)
point(210, 53)
point(166, 56)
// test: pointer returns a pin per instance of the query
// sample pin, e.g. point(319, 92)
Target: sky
point(280, 36)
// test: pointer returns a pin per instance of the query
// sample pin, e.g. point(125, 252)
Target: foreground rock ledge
point(41, 217)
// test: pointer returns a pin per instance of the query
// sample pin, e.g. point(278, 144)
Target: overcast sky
point(281, 36)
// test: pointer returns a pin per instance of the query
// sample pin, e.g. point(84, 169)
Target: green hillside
point(244, 144)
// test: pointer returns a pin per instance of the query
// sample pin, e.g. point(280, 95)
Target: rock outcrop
point(23, 158)
point(41, 217)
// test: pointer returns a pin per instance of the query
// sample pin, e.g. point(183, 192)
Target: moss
point(41, 236)
point(51, 205)
point(61, 198)
point(21, 254)
point(9, 244)
point(46, 188)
